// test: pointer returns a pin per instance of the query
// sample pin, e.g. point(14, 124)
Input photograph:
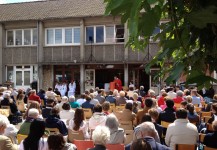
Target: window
point(10, 38)
point(22, 37)
point(62, 36)
point(58, 36)
point(100, 34)
point(76, 35)
point(35, 37)
point(110, 34)
point(18, 37)
point(105, 34)
point(68, 35)
point(119, 34)
point(50, 36)
point(89, 34)
point(27, 37)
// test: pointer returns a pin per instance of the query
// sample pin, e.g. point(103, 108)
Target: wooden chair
point(53, 131)
point(165, 124)
point(7, 108)
point(21, 106)
point(177, 105)
point(126, 125)
point(42, 103)
point(186, 147)
point(58, 98)
point(196, 105)
point(197, 109)
point(5, 112)
point(209, 127)
point(75, 135)
point(206, 118)
point(203, 114)
point(203, 104)
point(115, 146)
point(208, 148)
point(83, 145)
point(119, 108)
point(201, 137)
point(21, 137)
point(87, 113)
point(129, 136)
point(112, 107)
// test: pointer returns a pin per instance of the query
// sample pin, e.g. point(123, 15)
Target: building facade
point(63, 40)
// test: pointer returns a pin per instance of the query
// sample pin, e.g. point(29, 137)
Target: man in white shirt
point(181, 131)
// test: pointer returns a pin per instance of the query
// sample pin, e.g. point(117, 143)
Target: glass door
point(23, 76)
point(89, 79)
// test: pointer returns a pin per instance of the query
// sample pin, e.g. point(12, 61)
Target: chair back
point(87, 113)
point(75, 135)
point(21, 137)
point(177, 105)
point(115, 146)
point(20, 105)
point(186, 147)
point(165, 124)
point(42, 103)
point(7, 108)
point(197, 109)
point(119, 108)
point(206, 118)
point(203, 114)
point(83, 145)
point(112, 107)
point(126, 125)
point(201, 137)
point(5, 112)
point(53, 131)
point(129, 136)
point(58, 98)
point(208, 148)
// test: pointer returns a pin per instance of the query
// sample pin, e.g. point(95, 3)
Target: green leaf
point(202, 17)
point(175, 72)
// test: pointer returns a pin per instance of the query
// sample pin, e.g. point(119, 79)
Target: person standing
point(118, 83)
point(72, 88)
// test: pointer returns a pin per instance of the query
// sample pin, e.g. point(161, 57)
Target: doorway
point(23, 76)
point(107, 75)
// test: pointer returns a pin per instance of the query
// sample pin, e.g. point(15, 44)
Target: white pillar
point(82, 78)
point(1, 55)
point(126, 75)
point(82, 66)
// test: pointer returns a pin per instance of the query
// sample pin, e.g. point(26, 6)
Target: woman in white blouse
point(66, 113)
point(78, 123)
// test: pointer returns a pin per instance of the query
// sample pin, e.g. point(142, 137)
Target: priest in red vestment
point(118, 83)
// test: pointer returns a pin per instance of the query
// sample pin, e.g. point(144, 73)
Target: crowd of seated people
point(145, 113)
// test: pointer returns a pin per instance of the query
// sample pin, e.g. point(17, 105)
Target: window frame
point(22, 36)
point(63, 36)
point(104, 30)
